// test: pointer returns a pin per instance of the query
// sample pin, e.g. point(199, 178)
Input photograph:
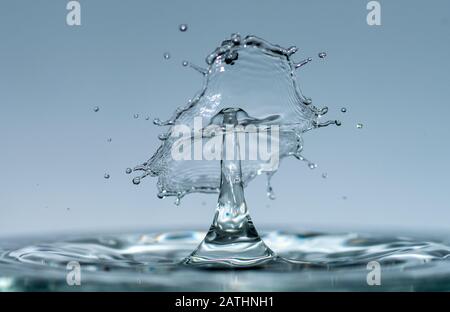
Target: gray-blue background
point(54, 150)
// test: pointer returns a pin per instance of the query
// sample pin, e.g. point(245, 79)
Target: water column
point(232, 239)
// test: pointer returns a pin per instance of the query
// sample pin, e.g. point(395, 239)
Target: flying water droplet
point(343, 110)
point(109, 140)
point(177, 201)
point(106, 176)
point(270, 193)
point(183, 27)
point(128, 171)
point(302, 63)
point(96, 109)
point(185, 63)
point(359, 125)
point(136, 116)
point(147, 118)
point(312, 165)
point(269, 189)
point(136, 180)
point(322, 55)
point(166, 55)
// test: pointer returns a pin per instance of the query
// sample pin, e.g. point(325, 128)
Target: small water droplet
point(177, 201)
point(185, 63)
point(109, 139)
point(359, 125)
point(96, 109)
point(136, 180)
point(166, 55)
point(183, 27)
point(322, 55)
point(128, 171)
point(136, 116)
point(312, 165)
point(236, 38)
point(106, 176)
point(307, 101)
point(147, 118)
point(324, 175)
point(343, 110)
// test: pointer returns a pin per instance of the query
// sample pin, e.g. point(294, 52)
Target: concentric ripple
point(307, 261)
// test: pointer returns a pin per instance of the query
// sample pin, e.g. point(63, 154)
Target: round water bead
point(185, 63)
point(136, 180)
point(183, 27)
point(343, 110)
point(359, 125)
point(128, 171)
point(96, 109)
point(106, 176)
point(136, 116)
point(322, 55)
point(166, 55)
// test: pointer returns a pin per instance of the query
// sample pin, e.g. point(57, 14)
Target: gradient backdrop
point(392, 174)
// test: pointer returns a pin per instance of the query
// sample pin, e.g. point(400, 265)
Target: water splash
point(247, 73)
point(248, 82)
